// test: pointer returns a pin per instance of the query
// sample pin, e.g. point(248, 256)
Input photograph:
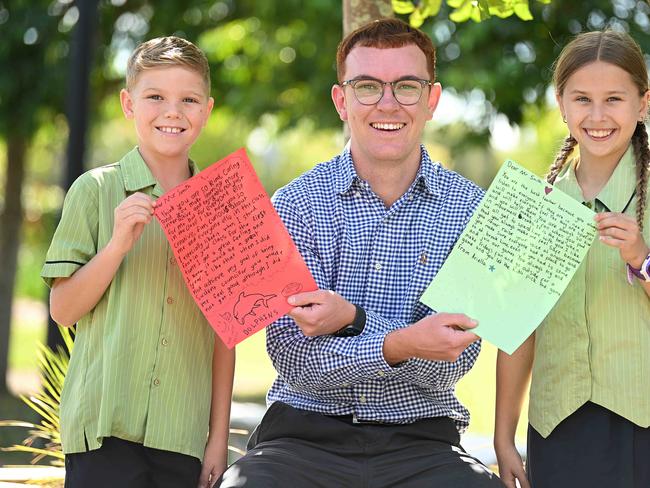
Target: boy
point(136, 407)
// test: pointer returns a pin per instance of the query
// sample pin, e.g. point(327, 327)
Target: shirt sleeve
point(438, 375)
point(312, 364)
point(75, 239)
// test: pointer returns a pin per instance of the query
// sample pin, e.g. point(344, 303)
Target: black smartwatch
point(357, 325)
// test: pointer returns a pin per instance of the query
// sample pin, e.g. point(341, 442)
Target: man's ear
point(127, 103)
point(338, 97)
point(434, 97)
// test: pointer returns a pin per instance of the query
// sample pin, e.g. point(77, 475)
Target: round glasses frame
point(393, 84)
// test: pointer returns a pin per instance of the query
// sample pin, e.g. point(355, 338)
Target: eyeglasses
point(369, 91)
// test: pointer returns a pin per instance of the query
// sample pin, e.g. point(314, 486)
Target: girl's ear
point(645, 103)
point(560, 104)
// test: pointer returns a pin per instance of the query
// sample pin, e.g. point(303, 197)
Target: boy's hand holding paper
point(237, 258)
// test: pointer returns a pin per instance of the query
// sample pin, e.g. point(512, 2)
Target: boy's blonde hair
point(167, 52)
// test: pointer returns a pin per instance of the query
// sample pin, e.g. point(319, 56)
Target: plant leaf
point(402, 7)
point(463, 13)
point(523, 11)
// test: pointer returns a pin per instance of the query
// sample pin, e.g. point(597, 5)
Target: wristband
point(357, 325)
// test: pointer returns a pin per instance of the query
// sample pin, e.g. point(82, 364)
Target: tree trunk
point(359, 12)
point(10, 224)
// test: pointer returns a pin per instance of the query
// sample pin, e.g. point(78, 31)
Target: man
point(366, 373)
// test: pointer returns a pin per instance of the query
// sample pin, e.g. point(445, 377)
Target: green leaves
point(419, 13)
point(52, 368)
point(464, 10)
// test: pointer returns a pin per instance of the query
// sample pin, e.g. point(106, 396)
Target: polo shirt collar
point(617, 192)
point(347, 176)
point(137, 175)
point(620, 188)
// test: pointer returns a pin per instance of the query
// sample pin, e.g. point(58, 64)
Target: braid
point(642, 155)
point(560, 158)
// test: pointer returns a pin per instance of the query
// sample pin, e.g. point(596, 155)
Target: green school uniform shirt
point(595, 343)
point(141, 366)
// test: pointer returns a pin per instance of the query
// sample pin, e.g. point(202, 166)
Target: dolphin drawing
point(246, 305)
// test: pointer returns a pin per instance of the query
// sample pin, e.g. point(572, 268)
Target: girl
point(590, 393)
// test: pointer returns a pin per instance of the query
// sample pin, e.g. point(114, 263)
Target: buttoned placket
point(164, 342)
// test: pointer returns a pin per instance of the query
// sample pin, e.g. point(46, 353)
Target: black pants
point(294, 448)
point(592, 448)
point(124, 464)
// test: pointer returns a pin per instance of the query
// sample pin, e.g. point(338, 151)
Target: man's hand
point(320, 312)
point(130, 218)
point(439, 337)
point(622, 231)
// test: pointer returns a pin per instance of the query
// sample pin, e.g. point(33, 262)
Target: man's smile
point(389, 126)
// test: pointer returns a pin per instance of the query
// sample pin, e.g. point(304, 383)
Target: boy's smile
point(170, 106)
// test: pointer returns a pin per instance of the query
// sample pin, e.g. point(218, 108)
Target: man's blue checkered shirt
point(381, 259)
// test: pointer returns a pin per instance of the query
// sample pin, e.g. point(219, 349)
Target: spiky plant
point(52, 367)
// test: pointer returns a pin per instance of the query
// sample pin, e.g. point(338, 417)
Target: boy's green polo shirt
point(595, 343)
point(141, 367)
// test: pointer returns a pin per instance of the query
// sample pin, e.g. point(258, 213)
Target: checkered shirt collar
point(348, 179)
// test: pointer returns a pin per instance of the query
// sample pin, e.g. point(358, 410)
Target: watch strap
point(357, 325)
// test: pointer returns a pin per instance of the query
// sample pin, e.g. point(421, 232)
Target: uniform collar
point(620, 188)
point(137, 175)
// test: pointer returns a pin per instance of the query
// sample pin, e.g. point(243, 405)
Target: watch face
point(348, 331)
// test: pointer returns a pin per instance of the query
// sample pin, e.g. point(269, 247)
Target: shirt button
point(156, 382)
point(362, 399)
point(165, 341)
point(381, 374)
point(378, 266)
point(170, 300)
point(423, 258)
point(172, 260)
point(346, 385)
point(357, 194)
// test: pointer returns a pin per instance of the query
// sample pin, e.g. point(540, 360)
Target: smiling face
point(385, 133)
point(602, 106)
point(169, 106)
